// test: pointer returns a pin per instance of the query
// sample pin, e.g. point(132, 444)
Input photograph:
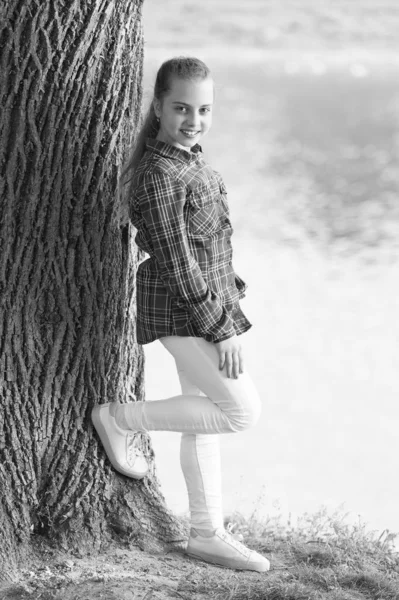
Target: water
point(308, 147)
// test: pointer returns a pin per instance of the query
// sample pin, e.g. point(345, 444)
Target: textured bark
point(70, 100)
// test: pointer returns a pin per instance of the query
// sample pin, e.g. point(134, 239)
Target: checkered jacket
point(187, 286)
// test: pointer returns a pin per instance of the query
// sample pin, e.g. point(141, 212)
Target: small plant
point(319, 556)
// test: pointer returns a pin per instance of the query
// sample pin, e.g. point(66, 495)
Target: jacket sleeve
point(161, 200)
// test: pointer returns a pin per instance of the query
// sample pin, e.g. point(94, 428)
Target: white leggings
point(210, 403)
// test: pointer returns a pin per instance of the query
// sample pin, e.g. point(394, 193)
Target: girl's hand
point(230, 356)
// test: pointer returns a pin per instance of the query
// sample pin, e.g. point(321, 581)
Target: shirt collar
point(170, 151)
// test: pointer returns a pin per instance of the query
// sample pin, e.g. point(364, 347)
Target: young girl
point(188, 298)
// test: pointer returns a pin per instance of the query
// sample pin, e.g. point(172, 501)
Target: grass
point(321, 557)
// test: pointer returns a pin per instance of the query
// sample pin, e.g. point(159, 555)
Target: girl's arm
point(161, 200)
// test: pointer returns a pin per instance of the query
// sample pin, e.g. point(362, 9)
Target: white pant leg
point(200, 463)
point(229, 405)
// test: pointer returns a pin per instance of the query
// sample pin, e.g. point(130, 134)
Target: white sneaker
point(222, 549)
point(119, 444)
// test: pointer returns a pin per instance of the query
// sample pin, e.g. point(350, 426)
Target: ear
point(157, 107)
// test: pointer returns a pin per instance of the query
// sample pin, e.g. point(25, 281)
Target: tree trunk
point(70, 94)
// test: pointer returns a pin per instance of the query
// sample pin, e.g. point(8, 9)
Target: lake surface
point(308, 147)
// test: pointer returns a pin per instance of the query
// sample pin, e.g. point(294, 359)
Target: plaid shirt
point(187, 286)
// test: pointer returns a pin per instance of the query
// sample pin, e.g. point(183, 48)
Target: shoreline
point(303, 56)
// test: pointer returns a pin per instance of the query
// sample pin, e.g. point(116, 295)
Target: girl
point(188, 298)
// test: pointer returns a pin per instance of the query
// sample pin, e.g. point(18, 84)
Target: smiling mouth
point(189, 133)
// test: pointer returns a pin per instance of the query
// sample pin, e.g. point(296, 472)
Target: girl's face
point(185, 112)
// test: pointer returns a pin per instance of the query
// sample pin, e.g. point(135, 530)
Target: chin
point(187, 144)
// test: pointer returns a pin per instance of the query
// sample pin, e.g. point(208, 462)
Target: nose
point(194, 119)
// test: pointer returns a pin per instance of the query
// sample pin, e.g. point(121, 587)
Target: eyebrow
point(185, 104)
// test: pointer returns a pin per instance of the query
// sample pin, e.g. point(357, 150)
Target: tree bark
point(70, 97)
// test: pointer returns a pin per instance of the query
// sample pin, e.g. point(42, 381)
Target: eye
point(205, 110)
point(181, 109)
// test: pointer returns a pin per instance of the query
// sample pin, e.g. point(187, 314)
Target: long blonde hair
point(182, 67)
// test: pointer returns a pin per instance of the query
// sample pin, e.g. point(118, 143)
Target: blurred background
point(306, 136)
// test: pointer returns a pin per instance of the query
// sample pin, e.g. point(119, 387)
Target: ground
point(322, 558)
point(125, 574)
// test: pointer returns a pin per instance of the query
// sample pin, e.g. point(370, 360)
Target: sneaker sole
point(213, 561)
point(102, 434)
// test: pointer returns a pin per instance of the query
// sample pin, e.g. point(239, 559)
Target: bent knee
point(248, 415)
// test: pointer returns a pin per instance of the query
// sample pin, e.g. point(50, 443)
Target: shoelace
point(132, 451)
point(229, 537)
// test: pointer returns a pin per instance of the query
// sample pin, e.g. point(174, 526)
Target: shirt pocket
point(222, 193)
point(204, 211)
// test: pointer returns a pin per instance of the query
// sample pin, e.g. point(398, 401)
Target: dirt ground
point(127, 574)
